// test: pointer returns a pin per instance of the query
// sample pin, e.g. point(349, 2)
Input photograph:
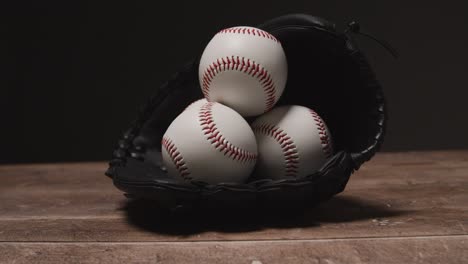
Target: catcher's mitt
point(326, 73)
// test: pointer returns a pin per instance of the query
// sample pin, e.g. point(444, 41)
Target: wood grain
point(396, 250)
point(396, 194)
point(398, 208)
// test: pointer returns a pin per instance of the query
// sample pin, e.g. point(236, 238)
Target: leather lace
point(355, 28)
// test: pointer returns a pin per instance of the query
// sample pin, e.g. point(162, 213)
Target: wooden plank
point(57, 190)
point(411, 250)
point(396, 194)
point(356, 218)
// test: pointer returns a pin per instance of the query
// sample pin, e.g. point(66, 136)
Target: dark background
point(74, 73)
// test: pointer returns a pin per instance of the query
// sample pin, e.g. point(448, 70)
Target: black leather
point(326, 72)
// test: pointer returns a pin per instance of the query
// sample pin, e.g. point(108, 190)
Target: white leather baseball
point(293, 142)
point(209, 142)
point(244, 68)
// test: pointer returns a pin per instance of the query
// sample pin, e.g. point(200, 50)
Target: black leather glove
point(326, 72)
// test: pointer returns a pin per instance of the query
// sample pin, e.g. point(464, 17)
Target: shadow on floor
point(340, 209)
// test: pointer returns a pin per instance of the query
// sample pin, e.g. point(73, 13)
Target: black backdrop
point(74, 73)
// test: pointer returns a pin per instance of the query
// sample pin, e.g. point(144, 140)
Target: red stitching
point(245, 65)
point(324, 137)
point(218, 140)
point(249, 31)
point(291, 156)
point(176, 158)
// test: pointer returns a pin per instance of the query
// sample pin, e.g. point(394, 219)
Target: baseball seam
point(249, 31)
point(214, 136)
point(176, 158)
point(244, 65)
point(323, 134)
point(291, 155)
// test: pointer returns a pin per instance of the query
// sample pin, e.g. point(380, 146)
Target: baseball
point(293, 142)
point(244, 68)
point(209, 142)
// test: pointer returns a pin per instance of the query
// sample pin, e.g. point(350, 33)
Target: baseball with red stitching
point(293, 142)
point(244, 68)
point(209, 142)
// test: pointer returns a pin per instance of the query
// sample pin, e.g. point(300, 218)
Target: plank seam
point(241, 241)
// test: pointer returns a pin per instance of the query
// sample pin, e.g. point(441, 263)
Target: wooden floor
point(398, 208)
